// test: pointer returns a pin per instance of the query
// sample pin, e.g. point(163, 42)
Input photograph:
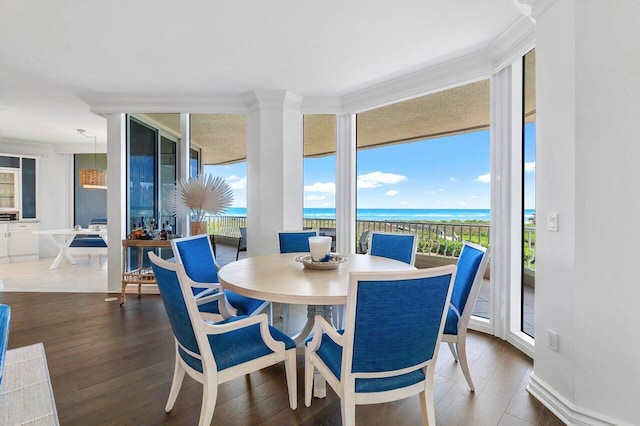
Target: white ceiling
point(53, 50)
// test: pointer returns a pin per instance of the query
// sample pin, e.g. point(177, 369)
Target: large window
point(194, 162)
point(168, 161)
point(152, 155)
point(143, 170)
point(423, 166)
point(320, 170)
point(529, 192)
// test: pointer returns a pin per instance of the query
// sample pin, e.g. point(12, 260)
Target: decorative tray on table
point(334, 261)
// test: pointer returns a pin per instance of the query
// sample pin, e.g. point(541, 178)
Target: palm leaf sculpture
point(204, 194)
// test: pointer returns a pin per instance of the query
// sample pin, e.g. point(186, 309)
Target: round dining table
point(280, 278)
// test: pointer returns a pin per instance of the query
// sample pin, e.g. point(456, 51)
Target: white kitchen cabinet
point(9, 190)
point(4, 245)
point(22, 242)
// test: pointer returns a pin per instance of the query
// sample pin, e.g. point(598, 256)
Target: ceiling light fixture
point(92, 178)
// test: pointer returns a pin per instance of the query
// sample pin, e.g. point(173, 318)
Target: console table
point(141, 275)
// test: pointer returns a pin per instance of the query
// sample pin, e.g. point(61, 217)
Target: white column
point(116, 196)
point(501, 129)
point(274, 168)
point(182, 222)
point(346, 183)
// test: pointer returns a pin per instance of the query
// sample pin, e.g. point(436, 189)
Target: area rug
point(26, 396)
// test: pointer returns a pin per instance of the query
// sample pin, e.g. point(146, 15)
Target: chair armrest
point(261, 319)
point(198, 284)
point(214, 292)
point(321, 326)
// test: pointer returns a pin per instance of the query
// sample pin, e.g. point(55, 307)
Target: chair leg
point(308, 377)
point(427, 407)
point(338, 316)
point(284, 314)
point(427, 404)
point(348, 407)
point(462, 355)
point(292, 382)
point(452, 348)
point(176, 384)
point(209, 397)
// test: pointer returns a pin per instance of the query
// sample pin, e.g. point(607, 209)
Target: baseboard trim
point(569, 413)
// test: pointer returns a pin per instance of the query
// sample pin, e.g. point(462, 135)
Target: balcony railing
point(434, 238)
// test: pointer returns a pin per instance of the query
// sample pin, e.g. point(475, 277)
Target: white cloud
point(440, 190)
point(315, 198)
point(430, 192)
point(392, 193)
point(462, 203)
point(485, 178)
point(376, 179)
point(530, 167)
point(236, 182)
point(452, 179)
point(329, 187)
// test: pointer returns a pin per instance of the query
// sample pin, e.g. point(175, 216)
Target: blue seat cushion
point(244, 305)
point(237, 347)
point(451, 326)
point(88, 241)
point(331, 354)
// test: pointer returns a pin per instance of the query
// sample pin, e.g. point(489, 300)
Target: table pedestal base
point(326, 311)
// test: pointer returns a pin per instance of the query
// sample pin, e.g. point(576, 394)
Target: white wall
point(588, 105)
point(53, 176)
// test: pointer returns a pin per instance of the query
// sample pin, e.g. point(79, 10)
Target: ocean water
point(408, 215)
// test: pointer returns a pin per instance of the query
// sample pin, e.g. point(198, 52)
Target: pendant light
point(93, 178)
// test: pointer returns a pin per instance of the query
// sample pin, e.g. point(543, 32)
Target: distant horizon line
point(396, 208)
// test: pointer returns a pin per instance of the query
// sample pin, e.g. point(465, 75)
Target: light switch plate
point(552, 222)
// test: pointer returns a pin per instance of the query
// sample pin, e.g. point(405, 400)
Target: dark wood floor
point(113, 365)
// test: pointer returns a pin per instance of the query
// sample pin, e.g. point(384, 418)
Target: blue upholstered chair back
point(408, 334)
point(176, 307)
point(468, 264)
point(243, 238)
point(294, 242)
point(197, 257)
point(393, 246)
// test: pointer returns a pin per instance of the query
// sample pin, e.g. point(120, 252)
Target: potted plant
point(199, 196)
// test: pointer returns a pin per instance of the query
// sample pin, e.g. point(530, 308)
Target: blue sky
point(443, 173)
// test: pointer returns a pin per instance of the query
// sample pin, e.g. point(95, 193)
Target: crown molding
point(538, 6)
point(273, 99)
point(517, 40)
point(322, 105)
point(103, 103)
point(465, 69)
